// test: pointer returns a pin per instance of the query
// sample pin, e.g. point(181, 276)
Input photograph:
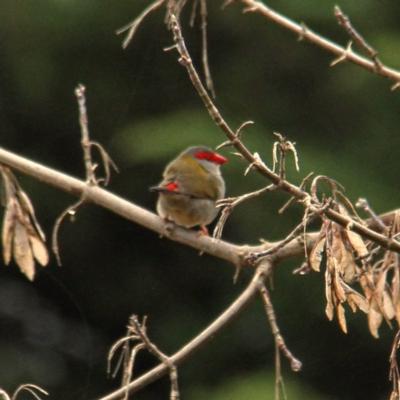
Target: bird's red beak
point(213, 157)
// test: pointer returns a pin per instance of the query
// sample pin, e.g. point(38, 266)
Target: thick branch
point(230, 252)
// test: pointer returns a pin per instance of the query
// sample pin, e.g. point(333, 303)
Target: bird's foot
point(203, 231)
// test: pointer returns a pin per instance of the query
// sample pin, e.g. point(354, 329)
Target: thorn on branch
point(304, 269)
point(303, 32)
point(344, 56)
point(395, 86)
point(257, 163)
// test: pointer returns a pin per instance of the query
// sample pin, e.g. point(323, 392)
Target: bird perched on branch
point(190, 187)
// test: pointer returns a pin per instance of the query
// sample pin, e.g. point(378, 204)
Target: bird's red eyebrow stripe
point(213, 157)
point(171, 186)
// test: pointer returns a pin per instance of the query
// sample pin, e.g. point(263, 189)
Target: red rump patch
point(213, 157)
point(171, 186)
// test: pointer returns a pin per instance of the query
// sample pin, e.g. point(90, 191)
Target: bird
point(191, 185)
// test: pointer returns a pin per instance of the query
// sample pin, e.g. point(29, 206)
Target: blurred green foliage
point(56, 331)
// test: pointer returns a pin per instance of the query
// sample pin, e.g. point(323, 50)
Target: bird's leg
point(203, 231)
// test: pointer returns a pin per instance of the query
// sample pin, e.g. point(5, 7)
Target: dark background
point(56, 331)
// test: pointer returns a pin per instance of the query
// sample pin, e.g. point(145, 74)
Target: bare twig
point(344, 21)
point(206, 68)
point(140, 330)
point(87, 143)
point(178, 358)
point(230, 203)
point(363, 205)
point(132, 26)
point(90, 168)
point(283, 146)
point(306, 34)
point(32, 389)
point(295, 364)
point(308, 218)
point(70, 210)
point(290, 201)
point(238, 135)
point(83, 122)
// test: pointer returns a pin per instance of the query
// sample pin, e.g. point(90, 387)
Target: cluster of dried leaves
point(22, 236)
point(349, 259)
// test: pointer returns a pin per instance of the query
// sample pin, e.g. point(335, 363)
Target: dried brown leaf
point(356, 300)
point(395, 283)
point(316, 253)
point(375, 318)
point(387, 305)
point(395, 291)
point(383, 297)
point(22, 251)
point(357, 243)
point(341, 317)
point(30, 212)
point(347, 265)
point(337, 284)
point(8, 231)
point(39, 250)
point(351, 303)
point(341, 251)
point(329, 310)
point(328, 293)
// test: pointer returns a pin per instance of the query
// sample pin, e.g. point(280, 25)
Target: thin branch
point(83, 122)
point(182, 355)
point(140, 330)
point(295, 364)
point(91, 179)
point(363, 205)
point(295, 234)
point(204, 52)
point(70, 210)
point(87, 143)
point(31, 389)
point(230, 203)
point(306, 34)
point(290, 201)
point(344, 21)
point(132, 26)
